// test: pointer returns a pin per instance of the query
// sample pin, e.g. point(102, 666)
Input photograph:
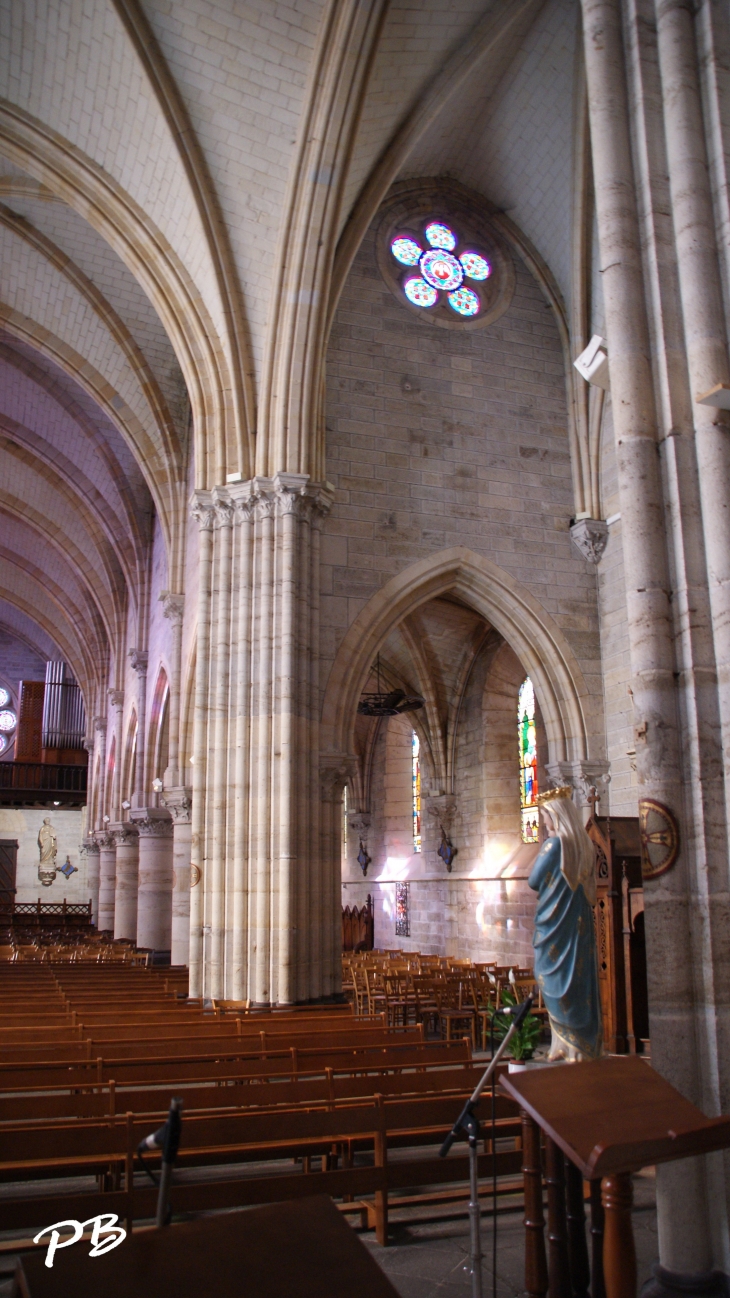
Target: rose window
point(448, 269)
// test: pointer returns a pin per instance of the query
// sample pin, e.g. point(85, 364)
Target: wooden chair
point(456, 1012)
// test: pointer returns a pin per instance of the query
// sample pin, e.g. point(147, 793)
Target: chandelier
point(390, 704)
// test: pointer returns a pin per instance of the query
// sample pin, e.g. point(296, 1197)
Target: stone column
point(261, 915)
point(173, 607)
point(107, 880)
point(91, 851)
point(179, 803)
point(100, 754)
point(154, 897)
point(649, 594)
point(116, 698)
point(202, 510)
point(125, 895)
point(138, 658)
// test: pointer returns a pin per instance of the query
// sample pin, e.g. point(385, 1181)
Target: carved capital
point(116, 698)
point(360, 824)
point(173, 607)
point(125, 835)
point(223, 507)
point(335, 769)
point(89, 848)
point(179, 803)
point(590, 536)
point(443, 808)
point(153, 827)
point(139, 659)
point(582, 776)
point(105, 840)
point(99, 723)
point(201, 508)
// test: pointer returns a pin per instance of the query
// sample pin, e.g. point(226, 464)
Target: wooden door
point(8, 869)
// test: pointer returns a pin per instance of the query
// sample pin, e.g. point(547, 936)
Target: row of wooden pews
point(277, 1104)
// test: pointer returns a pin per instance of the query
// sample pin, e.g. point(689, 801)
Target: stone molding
point(590, 537)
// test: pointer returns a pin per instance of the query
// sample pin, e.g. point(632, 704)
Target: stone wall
point(69, 825)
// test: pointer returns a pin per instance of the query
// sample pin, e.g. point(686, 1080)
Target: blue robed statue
point(566, 966)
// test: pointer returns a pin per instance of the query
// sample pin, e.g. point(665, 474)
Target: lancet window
point(527, 739)
point(416, 790)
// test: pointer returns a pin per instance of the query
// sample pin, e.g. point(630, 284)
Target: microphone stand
point(467, 1124)
point(167, 1138)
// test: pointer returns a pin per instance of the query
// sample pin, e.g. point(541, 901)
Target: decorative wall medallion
point(441, 256)
point(67, 869)
point(194, 876)
point(659, 834)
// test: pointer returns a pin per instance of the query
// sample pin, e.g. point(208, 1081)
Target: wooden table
point(611, 1117)
point(301, 1249)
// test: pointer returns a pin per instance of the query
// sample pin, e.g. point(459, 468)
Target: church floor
point(428, 1261)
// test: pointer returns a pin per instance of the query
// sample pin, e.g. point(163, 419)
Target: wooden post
point(536, 1273)
point(626, 911)
point(558, 1266)
point(598, 1284)
point(619, 1252)
point(580, 1272)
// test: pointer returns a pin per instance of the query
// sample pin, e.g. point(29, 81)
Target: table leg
point(536, 1275)
point(580, 1272)
point(558, 1266)
point(619, 1252)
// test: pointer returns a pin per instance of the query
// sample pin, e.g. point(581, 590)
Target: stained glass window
point(402, 915)
point(416, 790)
point(443, 268)
point(528, 762)
point(8, 719)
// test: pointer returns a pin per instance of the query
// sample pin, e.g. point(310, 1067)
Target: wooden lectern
point(611, 1117)
point(302, 1249)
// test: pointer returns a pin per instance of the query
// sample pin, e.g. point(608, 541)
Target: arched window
point(8, 719)
point(416, 790)
point(527, 736)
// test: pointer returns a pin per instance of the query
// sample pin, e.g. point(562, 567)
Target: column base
point(678, 1284)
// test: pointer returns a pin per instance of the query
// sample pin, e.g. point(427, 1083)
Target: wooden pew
point(261, 1136)
point(210, 1067)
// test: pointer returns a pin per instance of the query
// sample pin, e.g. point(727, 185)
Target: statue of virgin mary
point(566, 965)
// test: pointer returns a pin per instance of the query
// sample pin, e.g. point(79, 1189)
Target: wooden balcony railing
point(42, 782)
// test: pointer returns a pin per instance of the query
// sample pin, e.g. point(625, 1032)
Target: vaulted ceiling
point(182, 190)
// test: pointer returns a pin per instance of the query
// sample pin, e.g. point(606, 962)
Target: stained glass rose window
point(444, 267)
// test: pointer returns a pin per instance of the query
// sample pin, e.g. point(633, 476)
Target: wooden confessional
point(358, 927)
point(619, 917)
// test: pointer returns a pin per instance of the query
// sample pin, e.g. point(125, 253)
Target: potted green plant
point(522, 1045)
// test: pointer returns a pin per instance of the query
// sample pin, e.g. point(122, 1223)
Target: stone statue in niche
point(566, 963)
point(48, 849)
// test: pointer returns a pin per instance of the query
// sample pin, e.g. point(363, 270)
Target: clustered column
point(261, 914)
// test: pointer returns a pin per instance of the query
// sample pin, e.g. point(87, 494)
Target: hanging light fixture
point(390, 704)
